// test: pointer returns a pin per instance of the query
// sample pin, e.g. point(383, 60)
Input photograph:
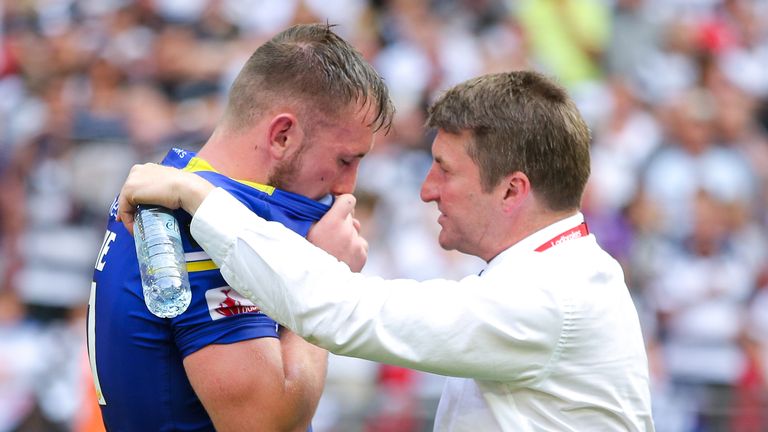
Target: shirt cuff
point(217, 222)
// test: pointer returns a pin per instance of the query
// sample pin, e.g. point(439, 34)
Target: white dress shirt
point(541, 341)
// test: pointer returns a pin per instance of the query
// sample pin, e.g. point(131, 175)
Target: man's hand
point(163, 186)
point(338, 233)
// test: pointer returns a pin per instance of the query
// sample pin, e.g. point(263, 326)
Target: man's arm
point(466, 328)
point(282, 391)
point(171, 188)
point(259, 384)
point(160, 185)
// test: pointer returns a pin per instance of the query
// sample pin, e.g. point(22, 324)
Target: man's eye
point(345, 162)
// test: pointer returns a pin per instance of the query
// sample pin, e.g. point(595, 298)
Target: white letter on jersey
point(109, 237)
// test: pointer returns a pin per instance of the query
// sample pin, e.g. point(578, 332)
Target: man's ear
point(515, 189)
point(285, 135)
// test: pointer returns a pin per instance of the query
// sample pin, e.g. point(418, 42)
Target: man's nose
point(428, 187)
point(346, 182)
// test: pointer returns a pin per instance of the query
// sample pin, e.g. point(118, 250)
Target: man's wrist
point(192, 192)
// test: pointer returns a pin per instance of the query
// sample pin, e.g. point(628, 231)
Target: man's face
point(327, 161)
point(453, 182)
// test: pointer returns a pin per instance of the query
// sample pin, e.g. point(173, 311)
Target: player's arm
point(260, 384)
point(264, 384)
point(282, 393)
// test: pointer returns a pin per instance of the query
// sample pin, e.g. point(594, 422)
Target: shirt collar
point(530, 243)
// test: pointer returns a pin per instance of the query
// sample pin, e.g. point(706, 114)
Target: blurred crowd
point(675, 93)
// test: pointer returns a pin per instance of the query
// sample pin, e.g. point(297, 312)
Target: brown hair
point(310, 65)
point(520, 121)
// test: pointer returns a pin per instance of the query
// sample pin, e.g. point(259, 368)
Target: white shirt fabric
point(541, 341)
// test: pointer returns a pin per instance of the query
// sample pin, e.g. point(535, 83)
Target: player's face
point(453, 182)
point(328, 161)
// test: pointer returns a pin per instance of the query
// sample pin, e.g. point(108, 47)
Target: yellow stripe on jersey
point(196, 164)
point(198, 266)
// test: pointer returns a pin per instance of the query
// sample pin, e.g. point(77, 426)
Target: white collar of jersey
point(530, 243)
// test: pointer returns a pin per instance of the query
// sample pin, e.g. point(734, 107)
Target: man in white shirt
point(546, 338)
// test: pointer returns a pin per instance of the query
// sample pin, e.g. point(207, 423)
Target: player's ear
point(513, 190)
point(285, 135)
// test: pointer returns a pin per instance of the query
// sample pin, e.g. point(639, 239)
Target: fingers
point(338, 233)
point(126, 208)
point(343, 206)
point(143, 185)
point(357, 261)
point(127, 218)
point(356, 224)
point(126, 213)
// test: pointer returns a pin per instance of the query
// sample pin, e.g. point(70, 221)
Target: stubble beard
point(285, 173)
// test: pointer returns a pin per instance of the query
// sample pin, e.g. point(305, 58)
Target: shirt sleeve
point(432, 326)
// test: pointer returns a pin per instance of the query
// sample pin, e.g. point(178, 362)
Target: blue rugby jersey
point(136, 357)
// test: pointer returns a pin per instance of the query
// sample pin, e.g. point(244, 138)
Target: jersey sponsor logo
point(566, 237)
point(578, 231)
point(226, 302)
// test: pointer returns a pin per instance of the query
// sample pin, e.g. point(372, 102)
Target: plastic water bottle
point(163, 268)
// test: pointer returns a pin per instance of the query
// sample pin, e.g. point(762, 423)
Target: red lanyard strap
point(576, 232)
